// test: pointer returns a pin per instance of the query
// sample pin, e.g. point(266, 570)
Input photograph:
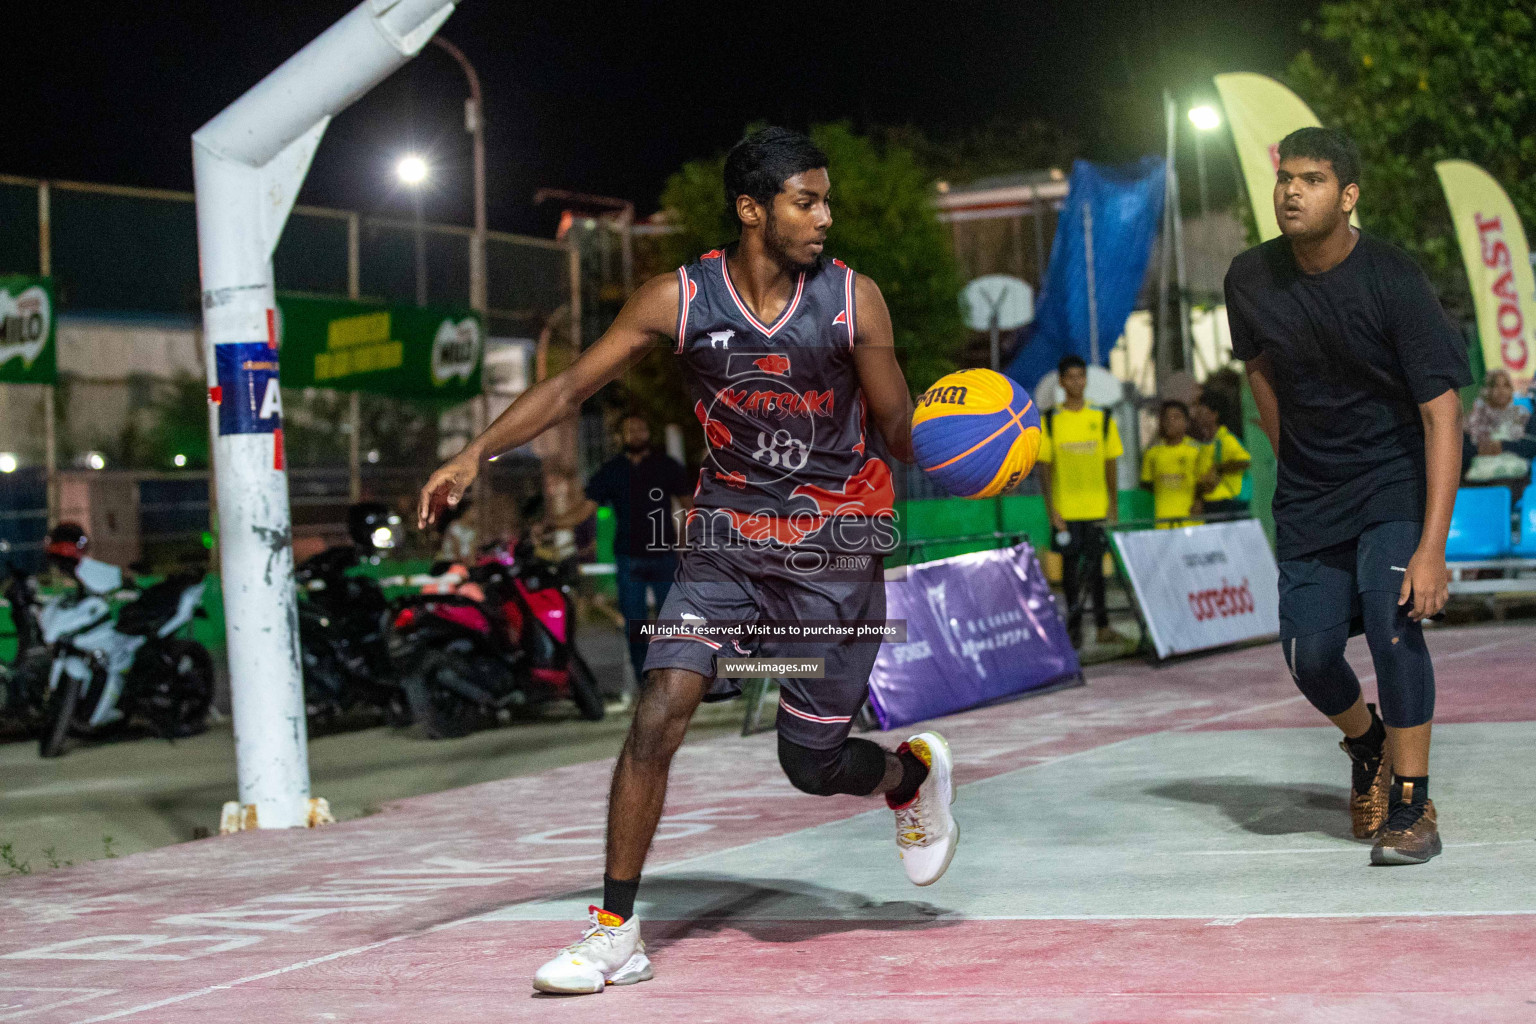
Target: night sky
point(611, 98)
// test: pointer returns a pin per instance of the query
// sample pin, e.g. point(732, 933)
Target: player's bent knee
point(854, 768)
point(1317, 664)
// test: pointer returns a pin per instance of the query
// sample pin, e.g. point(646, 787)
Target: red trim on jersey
point(789, 310)
point(684, 636)
point(814, 718)
point(848, 298)
point(713, 254)
point(684, 289)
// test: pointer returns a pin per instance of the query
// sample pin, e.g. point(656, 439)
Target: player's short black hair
point(1067, 363)
point(1172, 403)
point(759, 164)
point(1325, 144)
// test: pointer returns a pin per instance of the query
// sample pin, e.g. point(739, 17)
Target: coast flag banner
point(1261, 112)
point(1498, 260)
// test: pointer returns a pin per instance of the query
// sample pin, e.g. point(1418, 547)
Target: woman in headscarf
point(1497, 426)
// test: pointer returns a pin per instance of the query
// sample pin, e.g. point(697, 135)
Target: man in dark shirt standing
point(639, 485)
point(1354, 367)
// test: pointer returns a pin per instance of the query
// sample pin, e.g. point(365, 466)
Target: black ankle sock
point(619, 897)
point(913, 772)
point(1371, 742)
point(1416, 785)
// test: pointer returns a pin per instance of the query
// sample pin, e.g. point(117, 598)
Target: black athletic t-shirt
point(641, 496)
point(1354, 351)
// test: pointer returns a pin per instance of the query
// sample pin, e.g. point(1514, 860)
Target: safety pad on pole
point(250, 397)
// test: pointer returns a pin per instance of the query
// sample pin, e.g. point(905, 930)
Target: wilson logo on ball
point(943, 396)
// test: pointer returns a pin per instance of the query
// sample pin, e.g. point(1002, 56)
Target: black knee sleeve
point(1317, 664)
point(856, 767)
point(1405, 679)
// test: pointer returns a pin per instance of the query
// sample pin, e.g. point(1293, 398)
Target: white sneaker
point(926, 833)
point(609, 953)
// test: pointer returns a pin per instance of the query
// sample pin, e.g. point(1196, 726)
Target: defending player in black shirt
point(1354, 367)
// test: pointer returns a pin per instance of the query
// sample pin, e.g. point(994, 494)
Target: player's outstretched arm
point(880, 376)
point(649, 317)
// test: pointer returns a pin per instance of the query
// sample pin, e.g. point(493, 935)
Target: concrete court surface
point(1163, 845)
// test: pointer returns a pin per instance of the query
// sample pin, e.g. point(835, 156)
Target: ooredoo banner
point(1203, 586)
point(980, 627)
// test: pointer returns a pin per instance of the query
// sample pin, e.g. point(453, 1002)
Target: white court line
point(209, 990)
point(1341, 915)
point(82, 995)
point(257, 977)
point(1368, 678)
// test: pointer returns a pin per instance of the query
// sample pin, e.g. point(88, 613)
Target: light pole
point(474, 123)
point(479, 293)
point(412, 171)
point(1205, 119)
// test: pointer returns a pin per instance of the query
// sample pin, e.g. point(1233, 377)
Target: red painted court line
point(216, 912)
point(1473, 968)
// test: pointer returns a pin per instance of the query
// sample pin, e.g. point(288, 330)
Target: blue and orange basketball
point(976, 433)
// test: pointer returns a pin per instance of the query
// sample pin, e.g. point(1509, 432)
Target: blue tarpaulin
point(1127, 205)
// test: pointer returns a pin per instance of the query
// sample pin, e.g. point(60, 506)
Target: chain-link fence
point(131, 396)
point(133, 252)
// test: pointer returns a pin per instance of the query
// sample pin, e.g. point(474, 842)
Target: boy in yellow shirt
point(1223, 459)
point(1078, 448)
point(1169, 469)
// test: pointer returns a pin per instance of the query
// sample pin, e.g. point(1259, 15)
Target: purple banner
point(980, 627)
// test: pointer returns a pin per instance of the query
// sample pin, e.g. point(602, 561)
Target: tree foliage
point(884, 225)
point(1414, 83)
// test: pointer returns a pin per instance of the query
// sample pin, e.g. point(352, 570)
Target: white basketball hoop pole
point(248, 163)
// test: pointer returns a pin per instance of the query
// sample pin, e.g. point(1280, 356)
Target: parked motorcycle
point(344, 624)
point(495, 638)
point(26, 677)
point(104, 672)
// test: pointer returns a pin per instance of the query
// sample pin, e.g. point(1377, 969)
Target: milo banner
point(1261, 112)
point(430, 355)
point(28, 346)
point(1203, 586)
point(980, 628)
point(1498, 260)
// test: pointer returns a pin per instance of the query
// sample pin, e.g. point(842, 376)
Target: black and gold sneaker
point(1411, 834)
point(1370, 785)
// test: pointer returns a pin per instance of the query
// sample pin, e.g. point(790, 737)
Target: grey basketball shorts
point(748, 584)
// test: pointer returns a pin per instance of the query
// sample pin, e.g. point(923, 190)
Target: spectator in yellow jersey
point(1078, 448)
point(1223, 463)
point(1169, 468)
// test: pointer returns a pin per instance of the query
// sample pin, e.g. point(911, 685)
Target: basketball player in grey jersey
point(779, 189)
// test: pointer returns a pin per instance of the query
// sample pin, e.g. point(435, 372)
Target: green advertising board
point(431, 355)
point(28, 331)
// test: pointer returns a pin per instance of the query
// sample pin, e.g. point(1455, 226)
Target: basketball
point(976, 433)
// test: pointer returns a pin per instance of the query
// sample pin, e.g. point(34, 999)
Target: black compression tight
point(1405, 679)
point(856, 767)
